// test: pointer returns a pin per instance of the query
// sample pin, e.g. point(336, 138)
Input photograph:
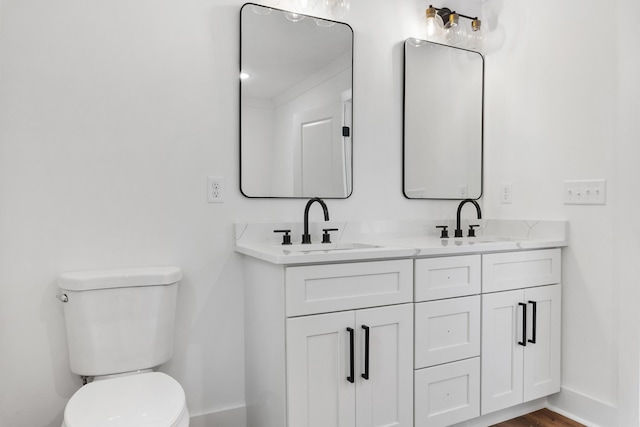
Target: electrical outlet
point(585, 192)
point(215, 189)
point(505, 196)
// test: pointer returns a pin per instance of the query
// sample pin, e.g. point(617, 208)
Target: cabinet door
point(502, 360)
point(385, 397)
point(318, 364)
point(542, 354)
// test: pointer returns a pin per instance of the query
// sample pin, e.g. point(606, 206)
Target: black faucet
point(306, 237)
point(458, 232)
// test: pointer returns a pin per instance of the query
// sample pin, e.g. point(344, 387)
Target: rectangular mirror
point(443, 114)
point(295, 105)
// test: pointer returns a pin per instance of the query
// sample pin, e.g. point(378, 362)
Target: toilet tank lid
point(119, 278)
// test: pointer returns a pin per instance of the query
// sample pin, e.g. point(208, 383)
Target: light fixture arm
point(445, 13)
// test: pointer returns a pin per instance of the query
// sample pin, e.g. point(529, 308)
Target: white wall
point(626, 227)
point(112, 114)
point(562, 102)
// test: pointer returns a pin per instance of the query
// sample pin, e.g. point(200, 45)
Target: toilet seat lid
point(149, 399)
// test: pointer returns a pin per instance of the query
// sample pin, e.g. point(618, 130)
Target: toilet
point(120, 327)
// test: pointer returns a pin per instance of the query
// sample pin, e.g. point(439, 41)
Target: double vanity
point(392, 325)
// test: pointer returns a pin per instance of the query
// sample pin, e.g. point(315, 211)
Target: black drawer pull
point(351, 377)
point(524, 324)
point(535, 321)
point(366, 352)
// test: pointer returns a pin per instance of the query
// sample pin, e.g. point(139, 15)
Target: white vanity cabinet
point(329, 345)
point(447, 340)
point(399, 336)
point(487, 333)
point(521, 315)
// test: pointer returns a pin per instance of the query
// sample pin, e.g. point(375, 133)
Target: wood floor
point(541, 418)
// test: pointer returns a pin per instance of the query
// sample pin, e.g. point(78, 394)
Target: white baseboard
point(583, 409)
point(234, 417)
point(504, 414)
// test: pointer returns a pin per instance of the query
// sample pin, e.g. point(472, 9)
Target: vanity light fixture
point(443, 23)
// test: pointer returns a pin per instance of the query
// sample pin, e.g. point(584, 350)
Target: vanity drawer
point(515, 270)
point(334, 287)
point(447, 394)
point(447, 277)
point(447, 330)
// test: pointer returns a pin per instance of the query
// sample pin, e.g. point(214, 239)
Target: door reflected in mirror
point(295, 105)
point(443, 121)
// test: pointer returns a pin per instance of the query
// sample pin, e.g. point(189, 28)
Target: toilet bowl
point(150, 399)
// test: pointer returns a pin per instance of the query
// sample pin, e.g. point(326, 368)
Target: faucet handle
point(444, 233)
point(472, 231)
point(326, 238)
point(286, 238)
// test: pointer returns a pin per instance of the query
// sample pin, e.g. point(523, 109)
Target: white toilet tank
point(119, 320)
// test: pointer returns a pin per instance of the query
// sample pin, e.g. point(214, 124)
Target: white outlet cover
point(506, 194)
point(215, 189)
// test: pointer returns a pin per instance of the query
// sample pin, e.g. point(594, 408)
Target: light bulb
point(305, 6)
point(475, 36)
point(434, 24)
point(456, 33)
point(337, 8)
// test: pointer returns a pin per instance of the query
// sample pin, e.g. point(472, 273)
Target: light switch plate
point(585, 192)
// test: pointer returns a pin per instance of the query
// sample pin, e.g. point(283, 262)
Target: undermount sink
point(326, 247)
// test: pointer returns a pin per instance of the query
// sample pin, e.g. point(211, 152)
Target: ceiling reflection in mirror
point(443, 116)
point(295, 105)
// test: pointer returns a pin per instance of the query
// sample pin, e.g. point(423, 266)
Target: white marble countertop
point(374, 240)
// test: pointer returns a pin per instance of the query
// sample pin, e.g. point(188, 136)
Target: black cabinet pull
point(524, 324)
point(535, 321)
point(351, 377)
point(366, 352)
